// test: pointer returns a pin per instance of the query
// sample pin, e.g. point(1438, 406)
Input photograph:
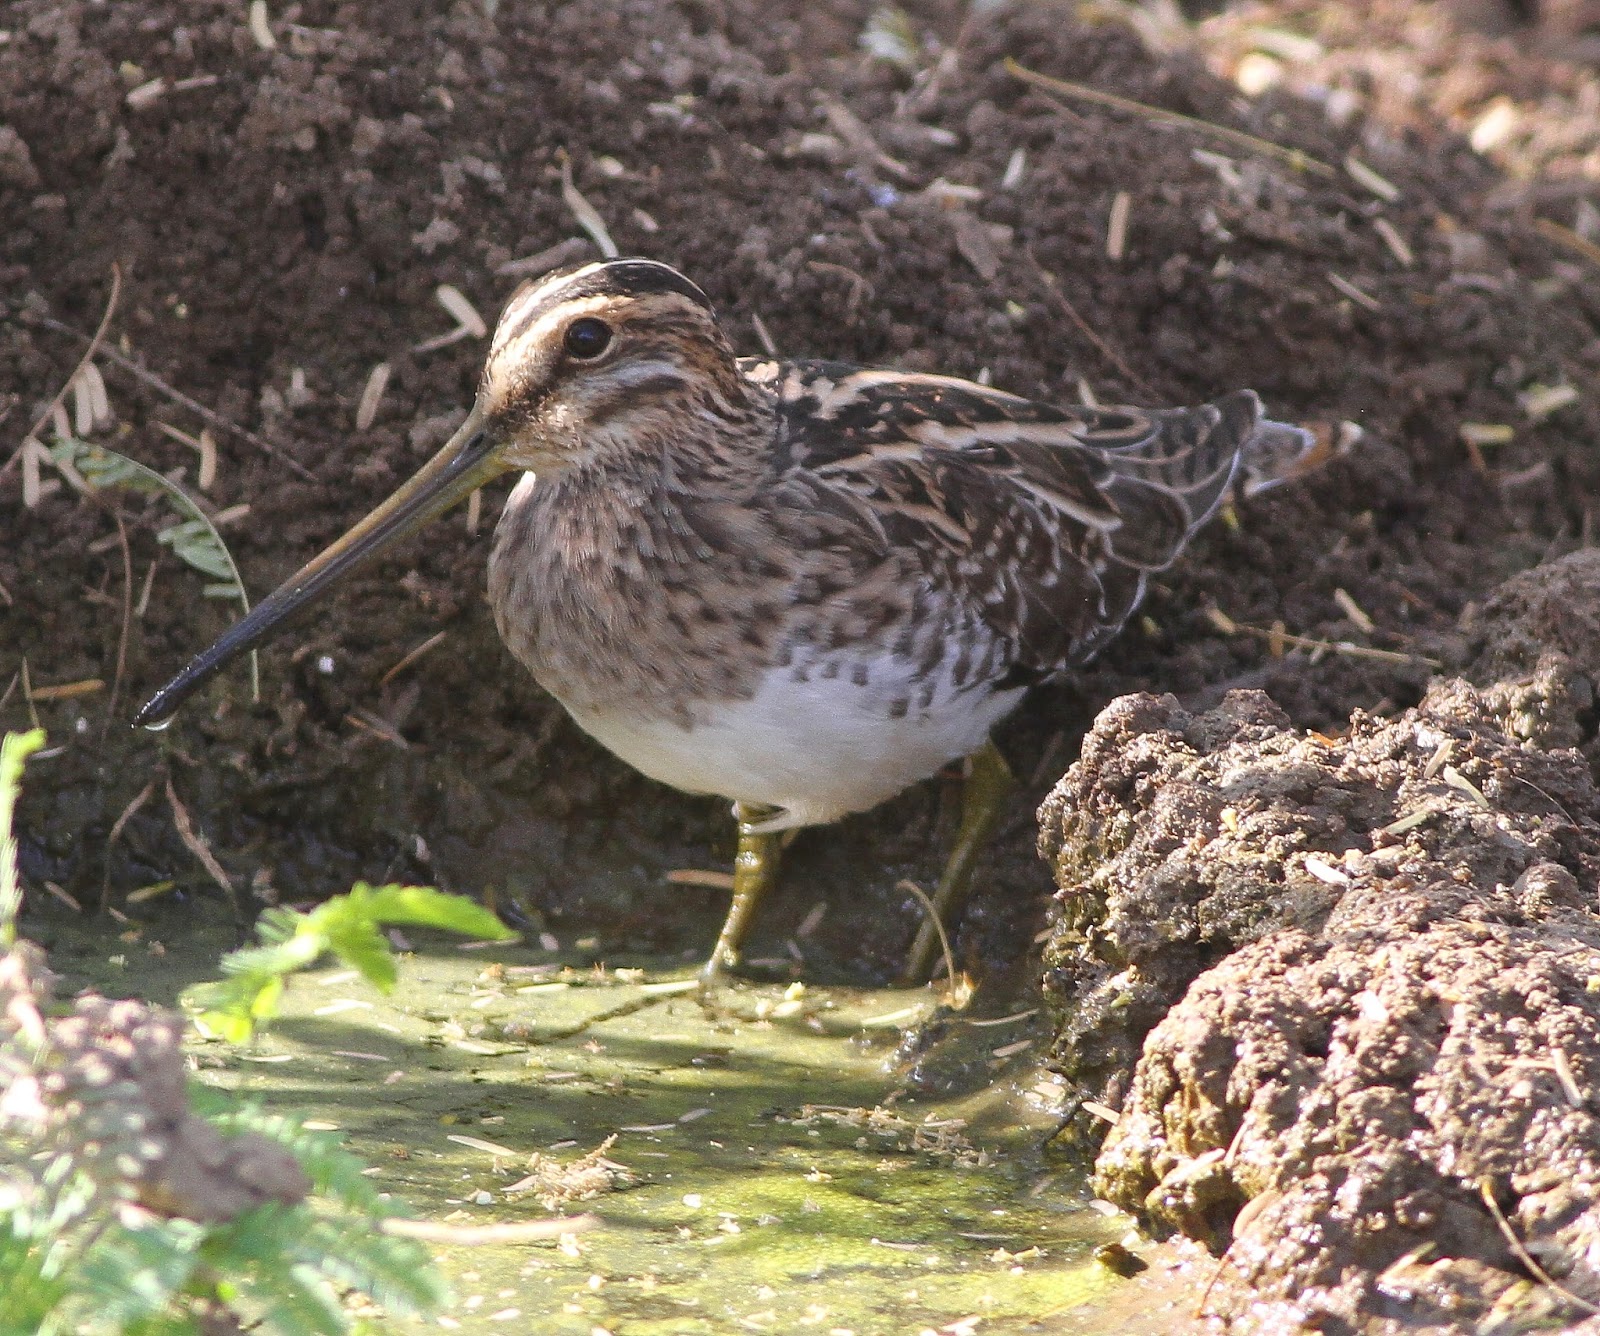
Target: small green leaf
point(359, 943)
point(131, 1274)
point(426, 907)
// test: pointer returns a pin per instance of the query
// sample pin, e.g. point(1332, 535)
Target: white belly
point(817, 749)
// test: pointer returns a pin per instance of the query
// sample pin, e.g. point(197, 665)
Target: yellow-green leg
point(988, 784)
point(755, 868)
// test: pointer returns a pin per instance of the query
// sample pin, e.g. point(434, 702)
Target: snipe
point(799, 585)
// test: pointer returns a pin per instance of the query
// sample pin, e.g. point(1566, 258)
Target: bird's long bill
point(465, 464)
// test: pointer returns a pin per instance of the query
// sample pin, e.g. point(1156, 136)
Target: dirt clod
point(1373, 959)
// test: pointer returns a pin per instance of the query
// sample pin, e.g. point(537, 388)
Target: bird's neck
point(707, 442)
point(687, 482)
point(648, 545)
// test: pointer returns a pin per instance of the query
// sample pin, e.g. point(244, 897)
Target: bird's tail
point(1275, 451)
point(1176, 476)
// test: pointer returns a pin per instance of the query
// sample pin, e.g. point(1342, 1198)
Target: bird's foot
point(755, 868)
point(989, 783)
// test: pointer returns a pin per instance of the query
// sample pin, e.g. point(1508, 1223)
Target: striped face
point(600, 358)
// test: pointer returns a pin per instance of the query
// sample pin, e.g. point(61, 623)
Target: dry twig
point(177, 396)
point(1292, 156)
point(140, 799)
point(56, 404)
point(1486, 1191)
point(195, 844)
point(1089, 332)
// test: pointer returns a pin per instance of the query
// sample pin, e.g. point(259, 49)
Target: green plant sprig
point(194, 539)
point(347, 926)
point(14, 752)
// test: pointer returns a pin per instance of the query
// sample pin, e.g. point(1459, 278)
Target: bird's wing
point(1045, 519)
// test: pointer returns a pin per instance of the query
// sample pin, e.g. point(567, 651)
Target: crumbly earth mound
point(106, 1086)
point(1358, 974)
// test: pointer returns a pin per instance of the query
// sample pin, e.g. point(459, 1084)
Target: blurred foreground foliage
point(135, 1203)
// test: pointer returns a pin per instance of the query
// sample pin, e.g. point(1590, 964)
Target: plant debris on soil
point(316, 213)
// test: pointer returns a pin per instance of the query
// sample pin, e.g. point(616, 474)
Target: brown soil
point(282, 218)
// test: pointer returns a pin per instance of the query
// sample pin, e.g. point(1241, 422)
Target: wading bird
point(800, 585)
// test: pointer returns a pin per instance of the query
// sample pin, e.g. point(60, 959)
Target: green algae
point(779, 1175)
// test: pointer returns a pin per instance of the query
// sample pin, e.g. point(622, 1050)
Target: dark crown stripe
point(639, 278)
point(618, 278)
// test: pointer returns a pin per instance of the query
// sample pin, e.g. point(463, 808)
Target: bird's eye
point(587, 338)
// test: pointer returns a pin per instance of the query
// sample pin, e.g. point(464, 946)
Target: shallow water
point(746, 1211)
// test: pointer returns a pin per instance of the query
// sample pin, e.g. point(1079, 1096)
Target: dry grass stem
point(143, 605)
point(56, 403)
point(1088, 331)
point(1540, 401)
point(372, 396)
point(139, 800)
point(86, 686)
point(65, 896)
point(431, 643)
point(1381, 186)
point(1347, 288)
point(1445, 750)
point(177, 396)
point(146, 94)
point(260, 30)
point(1016, 168)
point(1012, 1019)
point(706, 877)
point(1565, 236)
point(569, 251)
point(469, 324)
point(861, 288)
point(27, 695)
point(1397, 244)
point(1456, 780)
point(1293, 157)
point(1354, 611)
point(379, 728)
point(587, 216)
point(762, 336)
point(91, 405)
point(478, 1236)
point(204, 445)
point(454, 301)
point(1561, 1064)
point(193, 841)
point(928, 908)
point(1275, 635)
point(1117, 225)
point(853, 130)
point(1486, 1192)
point(1487, 434)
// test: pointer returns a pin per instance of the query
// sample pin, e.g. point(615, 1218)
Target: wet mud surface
point(284, 205)
point(768, 1167)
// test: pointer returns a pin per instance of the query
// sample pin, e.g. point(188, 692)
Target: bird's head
point(609, 360)
point(602, 359)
